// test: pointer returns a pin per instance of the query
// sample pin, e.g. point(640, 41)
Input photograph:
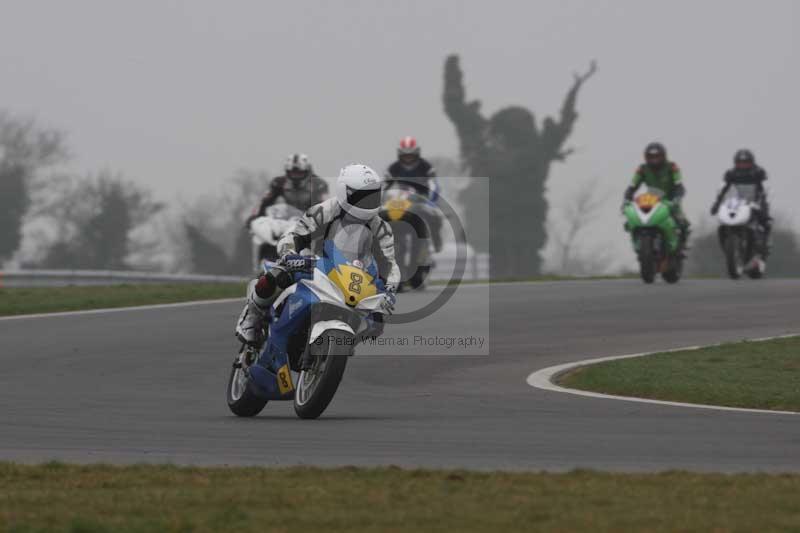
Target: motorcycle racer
point(356, 206)
point(299, 186)
point(657, 171)
point(745, 171)
point(412, 169)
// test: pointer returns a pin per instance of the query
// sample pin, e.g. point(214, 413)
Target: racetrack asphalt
point(149, 386)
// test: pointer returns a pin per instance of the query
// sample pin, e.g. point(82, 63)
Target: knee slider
point(275, 279)
point(265, 287)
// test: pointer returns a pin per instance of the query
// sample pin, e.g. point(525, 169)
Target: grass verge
point(760, 375)
point(89, 499)
point(20, 301)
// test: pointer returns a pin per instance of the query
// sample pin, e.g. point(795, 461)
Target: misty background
point(186, 103)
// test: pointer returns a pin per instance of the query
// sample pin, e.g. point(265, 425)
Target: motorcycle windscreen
point(283, 211)
point(349, 243)
point(348, 262)
point(745, 191)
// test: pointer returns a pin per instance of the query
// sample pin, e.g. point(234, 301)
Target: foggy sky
point(177, 95)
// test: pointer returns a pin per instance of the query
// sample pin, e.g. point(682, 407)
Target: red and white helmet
point(408, 146)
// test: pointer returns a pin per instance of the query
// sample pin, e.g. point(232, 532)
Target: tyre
point(417, 281)
point(647, 258)
point(317, 385)
point(733, 256)
point(673, 275)
point(241, 399)
point(401, 249)
point(420, 255)
point(757, 269)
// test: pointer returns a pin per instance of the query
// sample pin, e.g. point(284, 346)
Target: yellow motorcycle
point(407, 213)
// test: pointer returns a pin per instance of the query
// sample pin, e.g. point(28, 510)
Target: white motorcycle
point(740, 232)
point(269, 229)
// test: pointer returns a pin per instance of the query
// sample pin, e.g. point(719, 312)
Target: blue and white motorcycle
point(313, 328)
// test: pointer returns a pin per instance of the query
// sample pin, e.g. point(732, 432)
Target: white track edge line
point(544, 379)
point(121, 309)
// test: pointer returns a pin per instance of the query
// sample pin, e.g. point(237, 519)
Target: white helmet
point(358, 191)
point(297, 166)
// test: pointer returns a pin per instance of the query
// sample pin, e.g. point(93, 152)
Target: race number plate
point(285, 380)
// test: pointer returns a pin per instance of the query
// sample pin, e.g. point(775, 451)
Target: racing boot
point(250, 328)
point(684, 230)
point(765, 240)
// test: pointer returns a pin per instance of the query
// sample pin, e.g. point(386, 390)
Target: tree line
point(102, 220)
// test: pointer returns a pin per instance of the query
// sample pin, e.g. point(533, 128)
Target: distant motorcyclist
point(745, 171)
point(658, 172)
point(299, 186)
point(357, 204)
point(412, 169)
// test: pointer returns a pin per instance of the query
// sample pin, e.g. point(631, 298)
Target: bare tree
point(25, 148)
point(93, 217)
point(211, 228)
point(582, 207)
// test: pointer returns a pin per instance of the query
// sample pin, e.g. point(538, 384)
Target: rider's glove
point(249, 221)
point(295, 262)
point(714, 209)
point(389, 299)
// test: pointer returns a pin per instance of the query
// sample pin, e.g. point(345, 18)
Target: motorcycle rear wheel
point(673, 275)
point(317, 385)
point(241, 399)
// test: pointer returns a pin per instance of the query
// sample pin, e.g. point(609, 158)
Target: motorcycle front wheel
point(733, 256)
point(317, 385)
point(647, 258)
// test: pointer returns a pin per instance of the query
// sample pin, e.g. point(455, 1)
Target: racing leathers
point(668, 178)
point(750, 176)
point(422, 178)
point(321, 222)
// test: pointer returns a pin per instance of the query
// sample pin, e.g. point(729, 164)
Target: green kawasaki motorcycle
point(655, 234)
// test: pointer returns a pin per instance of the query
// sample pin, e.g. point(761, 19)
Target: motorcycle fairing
point(332, 259)
point(270, 375)
point(292, 310)
point(658, 217)
point(735, 212)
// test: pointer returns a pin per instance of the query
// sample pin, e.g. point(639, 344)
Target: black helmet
point(744, 158)
point(655, 154)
